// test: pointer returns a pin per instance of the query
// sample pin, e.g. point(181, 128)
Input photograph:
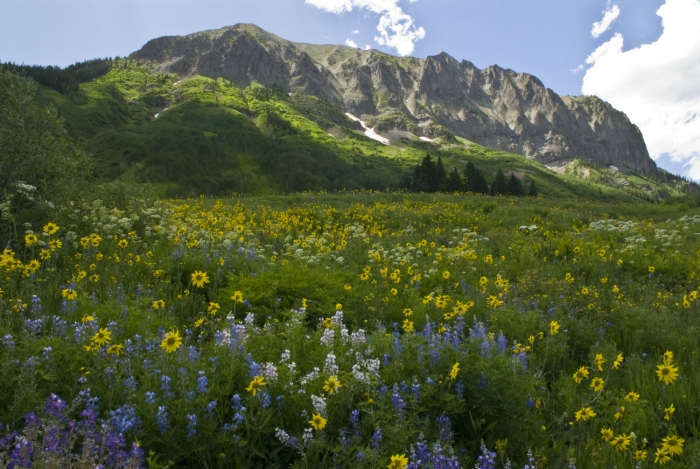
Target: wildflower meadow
point(351, 330)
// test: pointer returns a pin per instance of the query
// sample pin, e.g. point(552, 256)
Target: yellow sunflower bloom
point(50, 228)
point(171, 342)
point(673, 445)
point(238, 297)
point(581, 374)
point(585, 414)
point(199, 278)
point(332, 385)
point(318, 422)
point(667, 373)
point(398, 461)
point(620, 442)
point(554, 327)
point(256, 384)
point(103, 337)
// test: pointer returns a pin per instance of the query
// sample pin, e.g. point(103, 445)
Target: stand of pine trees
point(430, 176)
point(64, 80)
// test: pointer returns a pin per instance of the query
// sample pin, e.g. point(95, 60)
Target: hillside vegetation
point(213, 138)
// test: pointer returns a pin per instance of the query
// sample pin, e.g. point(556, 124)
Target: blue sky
point(551, 39)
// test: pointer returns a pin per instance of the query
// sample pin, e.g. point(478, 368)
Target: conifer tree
point(454, 182)
point(469, 176)
point(475, 182)
point(440, 177)
point(499, 185)
point(532, 191)
point(480, 184)
point(515, 187)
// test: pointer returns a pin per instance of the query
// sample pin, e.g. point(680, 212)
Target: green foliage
point(39, 167)
point(273, 142)
point(449, 306)
point(64, 80)
point(499, 186)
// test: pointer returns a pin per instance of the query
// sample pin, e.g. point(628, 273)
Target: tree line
point(64, 80)
point(431, 176)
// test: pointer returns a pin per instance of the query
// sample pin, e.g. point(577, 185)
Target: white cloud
point(357, 31)
point(657, 85)
point(609, 15)
point(396, 29)
point(351, 43)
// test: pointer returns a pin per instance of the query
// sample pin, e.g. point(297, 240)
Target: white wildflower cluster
point(328, 337)
point(365, 369)
point(358, 338)
point(330, 367)
point(270, 372)
point(401, 255)
point(319, 404)
point(619, 226)
point(337, 319)
point(310, 377)
point(236, 334)
point(686, 221)
point(308, 437)
point(282, 436)
point(286, 356)
point(355, 231)
point(297, 318)
point(528, 229)
point(461, 244)
point(633, 243)
point(667, 238)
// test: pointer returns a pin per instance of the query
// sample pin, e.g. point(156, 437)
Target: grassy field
point(353, 330)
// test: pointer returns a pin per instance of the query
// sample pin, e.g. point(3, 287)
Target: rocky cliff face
point(494, 107)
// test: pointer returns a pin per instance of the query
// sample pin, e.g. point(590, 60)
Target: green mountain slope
point(197, 135)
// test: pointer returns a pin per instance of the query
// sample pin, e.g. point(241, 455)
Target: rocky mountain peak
point(495, 107)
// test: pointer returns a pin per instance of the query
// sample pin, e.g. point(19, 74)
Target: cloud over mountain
point(657, 85)
point(396, 28)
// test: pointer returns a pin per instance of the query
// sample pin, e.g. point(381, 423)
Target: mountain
point(241, 111)
point(433, 97)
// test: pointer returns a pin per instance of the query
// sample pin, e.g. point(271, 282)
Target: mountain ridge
point(431, 97)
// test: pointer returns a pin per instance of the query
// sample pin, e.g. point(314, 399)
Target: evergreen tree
point(406, 181)
point(532, 191)
point(415, 184)
point(480, 184)
point(499, 185)
point(469, 176)
point(454, 182)
point(440, 180)
point(426, 175)
point(475, 182)
point(515, 187)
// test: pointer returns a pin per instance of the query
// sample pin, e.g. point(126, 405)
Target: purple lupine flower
point(202, 382)
point(162, 419)
point(376, 438)
point(486, 460)
point(191, 425)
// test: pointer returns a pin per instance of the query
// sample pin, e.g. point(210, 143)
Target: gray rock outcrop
point(494, 107)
